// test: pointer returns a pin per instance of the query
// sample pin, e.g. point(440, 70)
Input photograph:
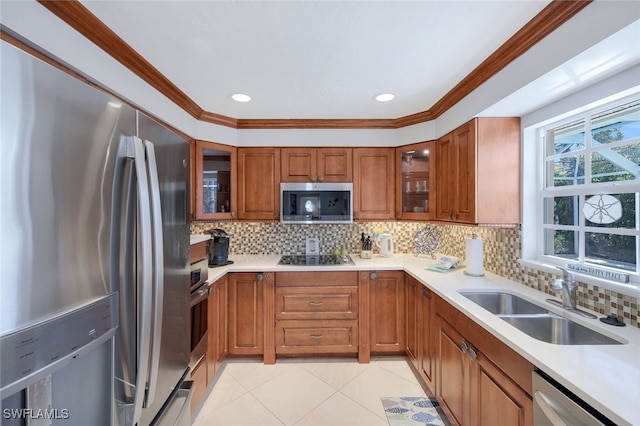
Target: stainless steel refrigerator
point(95, 250)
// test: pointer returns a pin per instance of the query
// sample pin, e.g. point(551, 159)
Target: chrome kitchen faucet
point(568, 286)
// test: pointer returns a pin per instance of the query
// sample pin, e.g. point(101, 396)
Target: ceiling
point(315, 59)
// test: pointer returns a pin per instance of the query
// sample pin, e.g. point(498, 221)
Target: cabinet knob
point(321, 178)
point(259, 277)
point(473, 355)
point(398, 215)
point(464, 347)
point(373, 275)
point(425, 292)
point(233, 214)
point(313, 178)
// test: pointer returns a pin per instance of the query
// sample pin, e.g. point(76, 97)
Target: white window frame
point(533, 188)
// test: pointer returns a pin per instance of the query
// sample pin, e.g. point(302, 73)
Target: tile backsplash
point(502, 249)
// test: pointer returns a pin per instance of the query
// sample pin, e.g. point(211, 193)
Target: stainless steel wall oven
point(198, 310)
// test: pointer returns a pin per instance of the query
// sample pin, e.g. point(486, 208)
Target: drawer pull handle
point(315, 336)
point(315, 303)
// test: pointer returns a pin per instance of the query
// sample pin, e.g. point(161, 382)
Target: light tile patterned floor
point(306, 392)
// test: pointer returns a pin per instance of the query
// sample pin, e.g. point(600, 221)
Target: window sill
point(631, 288)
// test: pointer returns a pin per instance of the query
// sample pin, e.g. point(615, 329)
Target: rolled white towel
point(448, 262)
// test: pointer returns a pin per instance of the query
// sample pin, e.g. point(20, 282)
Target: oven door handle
point(199, 295)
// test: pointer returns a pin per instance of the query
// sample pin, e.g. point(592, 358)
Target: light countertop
point(198, 238)
point(606, 376)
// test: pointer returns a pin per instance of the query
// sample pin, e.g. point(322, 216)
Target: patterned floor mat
point(412, 411)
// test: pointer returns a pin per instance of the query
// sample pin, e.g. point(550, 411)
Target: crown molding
point(82, 20)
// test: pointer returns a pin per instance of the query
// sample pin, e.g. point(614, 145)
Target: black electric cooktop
point(321, 259)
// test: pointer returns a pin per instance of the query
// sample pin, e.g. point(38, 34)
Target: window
point(589, 191)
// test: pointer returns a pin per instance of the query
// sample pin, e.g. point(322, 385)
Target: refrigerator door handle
point(146, 275)
point(158, 270)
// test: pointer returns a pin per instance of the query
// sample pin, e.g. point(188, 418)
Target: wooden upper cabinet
point(478, 172)
point(374, 183)
point(215, 181)
point(316, 165)
point(258, 183)
point(416, 181)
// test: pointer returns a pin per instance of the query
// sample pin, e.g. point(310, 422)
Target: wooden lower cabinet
point(412, 319)
point(316, 313)
point(479, 380)
point(199, 377)
point(217, 326)
point(387, 317)
point(426, 352)
point(246, 312)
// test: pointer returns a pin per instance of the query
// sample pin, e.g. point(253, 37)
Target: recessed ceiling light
point(240, 97)
point(384, 97)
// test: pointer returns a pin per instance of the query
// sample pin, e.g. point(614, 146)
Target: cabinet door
point(217, 326)
point(258, 183)
point(298, 165)
point(464, 141)
point(246, 315)
point(387, 311)
point(412, 325)
point(416, 181)
point(446, 177)
point(452, 389)
point(215, 181)
point(426, 353)
point(373, 183)
point(335, 165)
point(495, 398)
point(221, 291)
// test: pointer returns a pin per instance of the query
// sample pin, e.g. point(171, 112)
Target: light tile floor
point(306, 392)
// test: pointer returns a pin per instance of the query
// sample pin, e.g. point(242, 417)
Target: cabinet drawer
point(199, 377)
point(328, 336)
point(317, 303)
point(319, 279)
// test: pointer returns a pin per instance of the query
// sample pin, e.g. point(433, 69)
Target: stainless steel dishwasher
point(554, 405)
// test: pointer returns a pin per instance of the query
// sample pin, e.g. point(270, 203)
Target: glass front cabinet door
point(415, 191)
point(215, 181)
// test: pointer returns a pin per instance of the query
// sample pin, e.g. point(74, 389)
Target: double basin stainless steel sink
point(536, 321)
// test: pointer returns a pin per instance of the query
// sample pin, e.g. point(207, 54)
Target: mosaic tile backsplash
point(502, 249)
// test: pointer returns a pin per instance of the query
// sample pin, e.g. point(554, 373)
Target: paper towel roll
point(475, 257)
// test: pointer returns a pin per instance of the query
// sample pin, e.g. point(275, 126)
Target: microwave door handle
point(146, 277)
point(158, 270)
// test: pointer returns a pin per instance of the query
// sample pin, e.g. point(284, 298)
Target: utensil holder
point(366, 254)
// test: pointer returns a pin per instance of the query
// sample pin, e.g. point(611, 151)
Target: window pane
point(611, 210)
point(619, 124)
point(561, 210)
point(566, 171)
point(616, 164)
point(568, 138)
point(561, 243)
point(616, 251)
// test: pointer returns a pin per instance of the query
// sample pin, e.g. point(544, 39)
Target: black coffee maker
point(218, 248)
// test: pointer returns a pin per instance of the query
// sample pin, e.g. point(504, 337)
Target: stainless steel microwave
point(316, 202)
